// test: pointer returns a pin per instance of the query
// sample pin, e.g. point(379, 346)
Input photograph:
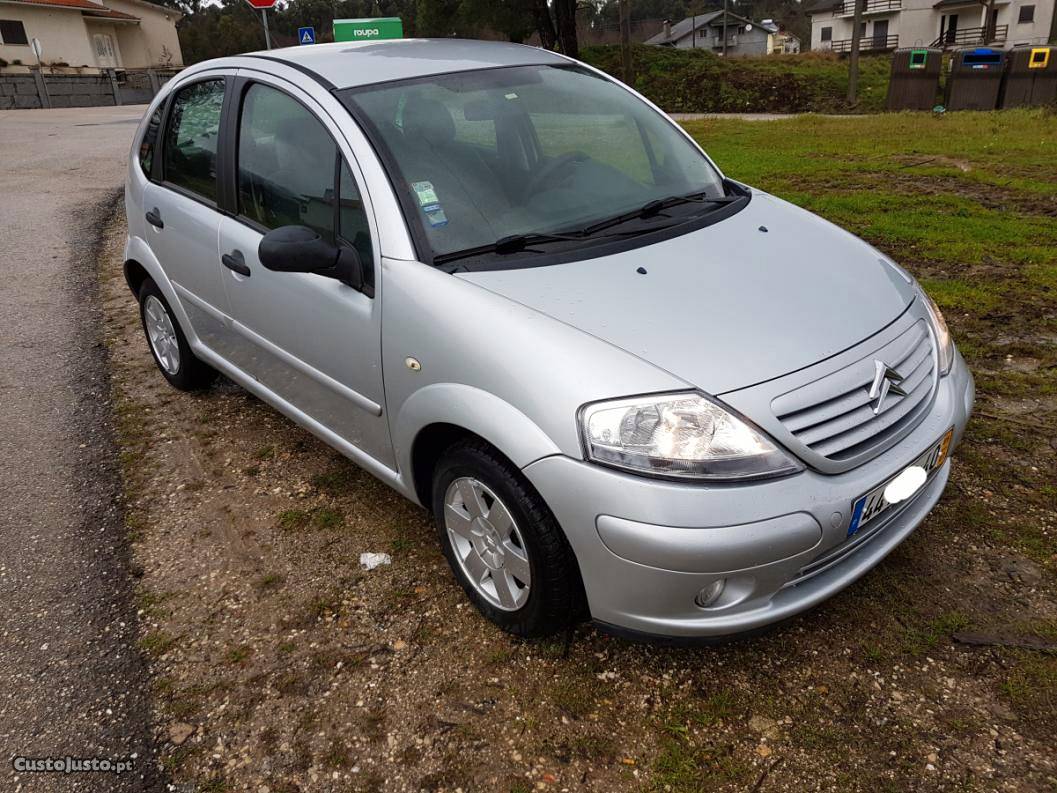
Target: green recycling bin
point(975, 78)
point(915, 80)
point(1031, 77)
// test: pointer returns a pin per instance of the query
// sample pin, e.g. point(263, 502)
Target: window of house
point(827, 34)
point(1027, 14)
point(287, 163)
point(191, 138)
point(12, 31)
point(150, 139)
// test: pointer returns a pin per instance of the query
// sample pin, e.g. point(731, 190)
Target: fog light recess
point(710, 594)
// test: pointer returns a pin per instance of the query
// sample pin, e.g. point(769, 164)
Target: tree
point(625, 39)
point(989, 23)
point(544, 24)
point(565, 22)
point(853, 58)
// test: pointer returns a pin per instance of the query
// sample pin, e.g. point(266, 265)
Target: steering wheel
point(546, 173)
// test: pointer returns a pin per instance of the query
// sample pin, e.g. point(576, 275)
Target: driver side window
point(286, 164)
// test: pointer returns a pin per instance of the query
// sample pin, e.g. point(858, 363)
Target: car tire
point(168, 344)
point(552, 598)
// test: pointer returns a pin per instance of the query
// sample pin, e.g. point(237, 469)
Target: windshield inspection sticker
point(425, 193)
point(435, 215)
point(427, 199)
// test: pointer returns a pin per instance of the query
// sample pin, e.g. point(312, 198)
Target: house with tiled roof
point(92, 34)
point(887, 24)
point(707, 31)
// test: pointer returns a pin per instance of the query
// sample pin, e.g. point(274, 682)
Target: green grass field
point(968, 203)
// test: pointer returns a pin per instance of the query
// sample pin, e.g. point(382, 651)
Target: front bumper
point(647, 547)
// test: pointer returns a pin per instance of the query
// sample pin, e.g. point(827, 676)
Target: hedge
point(697, 81)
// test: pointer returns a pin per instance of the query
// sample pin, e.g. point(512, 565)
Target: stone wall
point(18, 91)
point(35, 90)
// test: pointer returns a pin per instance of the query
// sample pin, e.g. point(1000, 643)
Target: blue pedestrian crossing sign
point(306, 35)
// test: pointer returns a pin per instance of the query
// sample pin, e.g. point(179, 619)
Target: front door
point(880, 34)
point(310, 339)
point(182, 221)
point(949, 28)
point(105, 54)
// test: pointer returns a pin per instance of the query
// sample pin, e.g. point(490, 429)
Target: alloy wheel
point(487, 543)
point(161, 334)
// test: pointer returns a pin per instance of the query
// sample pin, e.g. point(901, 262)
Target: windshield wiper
point(518, 243)
point(515, 243)
point(652, 208)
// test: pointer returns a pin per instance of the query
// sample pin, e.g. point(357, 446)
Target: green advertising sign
point(368, 29)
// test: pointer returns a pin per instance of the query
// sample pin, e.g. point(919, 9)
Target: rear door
point(312, 340)
point(181, 204)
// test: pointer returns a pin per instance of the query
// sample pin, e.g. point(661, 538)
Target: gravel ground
point(280, 665)
point(71, 679)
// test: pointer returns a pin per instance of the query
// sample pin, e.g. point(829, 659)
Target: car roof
point(349, 64)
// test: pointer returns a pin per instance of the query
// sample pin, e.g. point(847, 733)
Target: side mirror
point(299, 249)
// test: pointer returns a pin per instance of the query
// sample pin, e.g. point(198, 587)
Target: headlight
point(944, 342)
point(683, 436)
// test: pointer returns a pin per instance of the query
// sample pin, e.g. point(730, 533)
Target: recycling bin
point(975, 78)
point(1031, 77)
point(915, 80)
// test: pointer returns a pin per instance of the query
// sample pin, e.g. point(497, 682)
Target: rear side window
point(287, 164)
point(150, 140)
point(191, 138)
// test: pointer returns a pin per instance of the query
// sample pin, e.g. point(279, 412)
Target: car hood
point(729, 305)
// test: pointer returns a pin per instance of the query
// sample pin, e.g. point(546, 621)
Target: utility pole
point(625, 40)
point(267, 33)
point(724, 28)
point(853, 58)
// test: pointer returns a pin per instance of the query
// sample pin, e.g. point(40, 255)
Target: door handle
point(237, 262)
point(154, 218)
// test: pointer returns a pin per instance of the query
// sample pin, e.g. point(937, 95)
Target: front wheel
point(503, 544)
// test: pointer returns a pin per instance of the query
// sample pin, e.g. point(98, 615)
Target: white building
point(120, 34)
point(887, 24)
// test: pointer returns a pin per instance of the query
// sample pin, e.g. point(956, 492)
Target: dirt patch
point(280, 665)
point(908, 181)
point(936, 160)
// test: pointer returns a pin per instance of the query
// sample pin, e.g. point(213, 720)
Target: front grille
point(834, 416)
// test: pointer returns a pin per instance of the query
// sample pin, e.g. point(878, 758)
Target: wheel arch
point(135, 275)
point(438, 415)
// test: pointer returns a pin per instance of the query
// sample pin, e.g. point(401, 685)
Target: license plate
point(874, 504)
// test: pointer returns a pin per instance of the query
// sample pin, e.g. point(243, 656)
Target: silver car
point(627, 386)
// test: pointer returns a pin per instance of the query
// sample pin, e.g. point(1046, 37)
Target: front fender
point(482, 413)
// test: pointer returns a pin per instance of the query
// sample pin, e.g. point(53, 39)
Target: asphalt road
point(71, 680)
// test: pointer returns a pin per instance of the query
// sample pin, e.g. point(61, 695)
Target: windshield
point(486, 155)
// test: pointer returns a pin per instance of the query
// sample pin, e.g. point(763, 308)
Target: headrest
point(429, 119)
point(305, 132)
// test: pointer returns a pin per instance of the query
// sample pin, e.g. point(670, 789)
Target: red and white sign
point(262, 4)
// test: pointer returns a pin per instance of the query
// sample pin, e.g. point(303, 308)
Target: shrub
point(698, 81)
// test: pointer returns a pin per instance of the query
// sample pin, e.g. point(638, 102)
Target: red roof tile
point(110, 13)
